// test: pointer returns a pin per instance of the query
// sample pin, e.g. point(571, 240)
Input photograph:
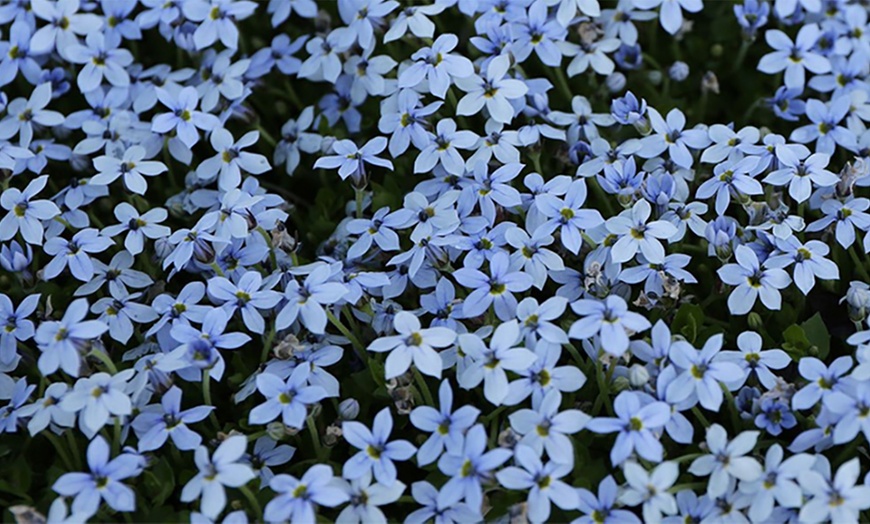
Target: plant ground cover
point(451, 261)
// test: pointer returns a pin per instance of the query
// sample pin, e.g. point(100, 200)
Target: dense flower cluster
point(634, 300)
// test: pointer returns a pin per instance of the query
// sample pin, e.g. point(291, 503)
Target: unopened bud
point(275, 430)
point(615, 82)
point(755, 322)
point(679, 71)
point(348, 409)
point(638, 375)
point(621, 384)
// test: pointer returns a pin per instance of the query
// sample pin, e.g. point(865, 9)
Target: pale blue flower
point(157, 422)
point(838, 499)
point(438, 65)
point(542, 481)
point(496, 289)
point(413, 344)
point(493, 89)
point(726, 460)
point(222, 469)
point(637, 426)
point(103, 483)
point(608, 318)
point(635, 234)
point(569, 215)
point(61, 342)
point(25, 213)
point(289, 399)
point(751, 281)
point(671, 14)
point(547, 428)
point(489, 364)
point(651, 489)
point(468, 467)
point(377, 452)
point(298, 498)
point(794, 57)
point(447, 427)
point(701, 373)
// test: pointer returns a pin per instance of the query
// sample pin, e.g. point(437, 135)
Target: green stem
point(116, 441)
point(315, 436)
point(267, 343)
point(424, 388)
point(859, 265)
point(206, 396)
point(255, 504)
point(359, 196)
point(701, 417)
point(273, 260)
point(106, 361)
point(58, 447)
point(357, 345)
point(217, 269)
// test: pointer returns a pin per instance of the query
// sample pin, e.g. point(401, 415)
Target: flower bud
point(678, 71)
point(638, 375)
point(348, 409)
point(615, 82)
point(655, 77)
point(621, 384)
point(858, 300)
point(755, 321)
point(275, 430)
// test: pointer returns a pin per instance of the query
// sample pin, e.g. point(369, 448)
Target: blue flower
point(496, 289)
point(635, 234)
point(183, 117)
point(701, 373)
point(636, 424)
point(824, 380)
point(297, 498)
point(546, 428)
point(62, 341)
point(413, 344)
point(569, 215)
point(726, 460)
point(489, 364)
point(468, 467)
point(103, 483)
point(838, 499)
point(246, 296)
point(222, 469)
point(155, 423)
point(752, 360)
point(289, 399)
point(794, 57)
point(651, 488)
point(608, 318)
point(443, 512)
point(775, 416)
point(825, 126)
point(671, 14)
point(25, 213)
point(438, 65)
point(752, 281)
point(376, 453)
point(600, 509)
point(542, 482)
point(102, 59)
point(98, 398)
point(670, 135)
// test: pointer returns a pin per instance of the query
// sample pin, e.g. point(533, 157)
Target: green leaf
point(796, 343)
point(818, 336)
point(687, 321)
